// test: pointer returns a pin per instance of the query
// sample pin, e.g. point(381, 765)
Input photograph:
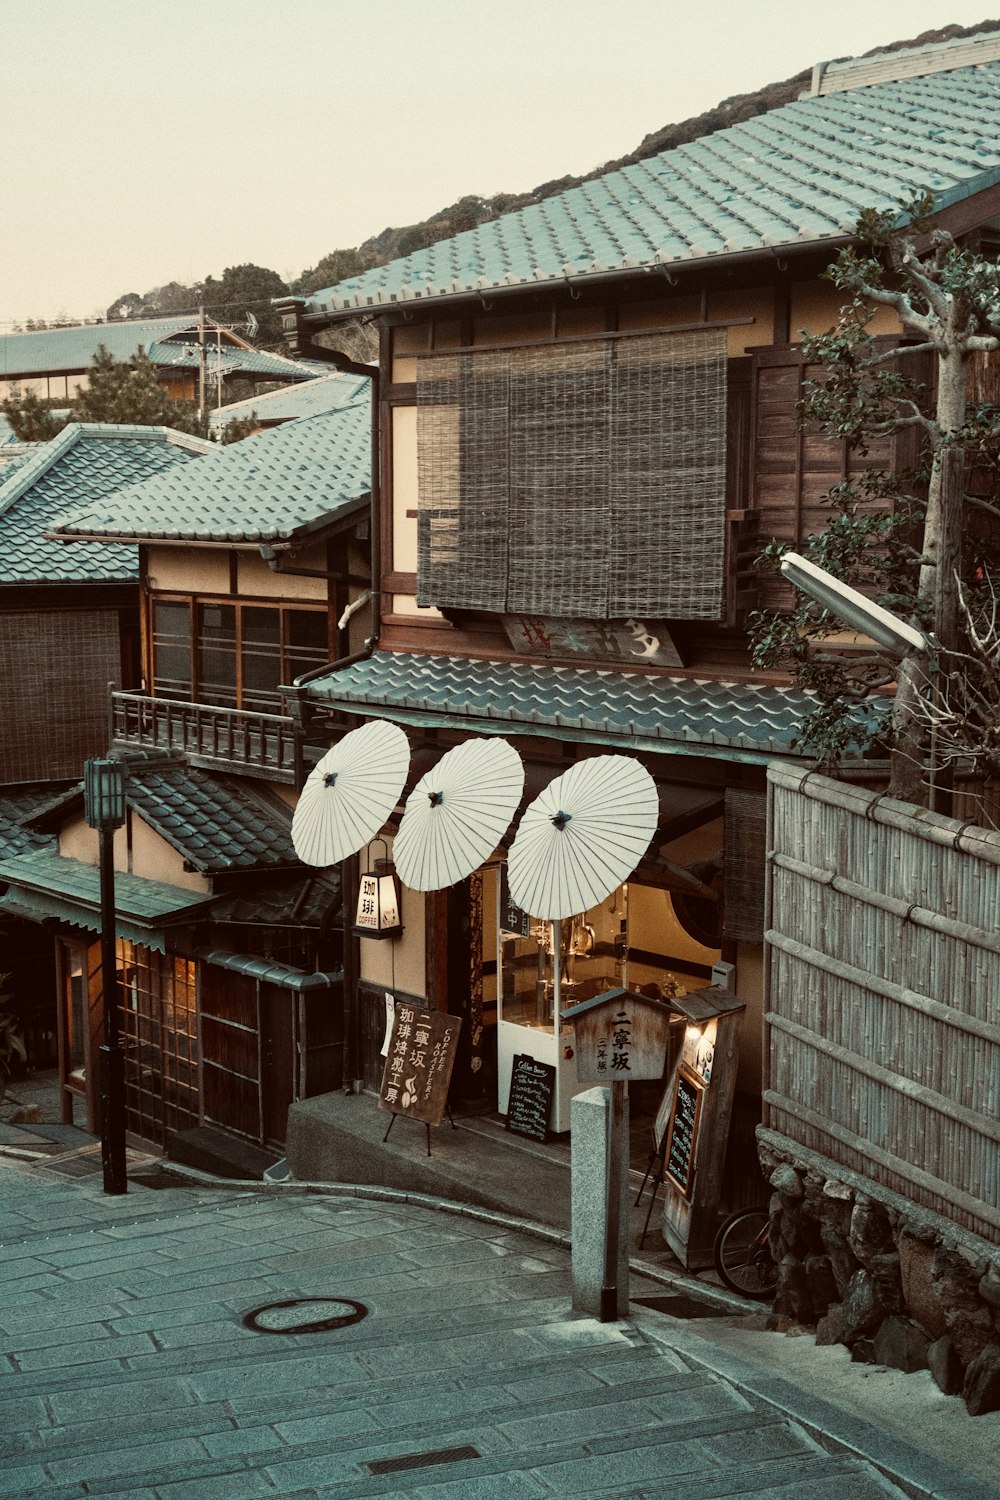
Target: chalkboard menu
point(682, 1136)
point(419, 1063)
point(532, 1087)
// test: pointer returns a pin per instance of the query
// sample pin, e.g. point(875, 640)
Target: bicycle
point(742, 1255)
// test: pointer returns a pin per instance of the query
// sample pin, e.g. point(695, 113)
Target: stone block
point(982, 1382)
point(590, 1115)
point(871, 1233)
point(830, 1329)
point(791, 1297)
point(820, 1283)
point(863, 1309)
point(902, 1345)
point(916, 1258)
point(843, 1262)
point(945, 1366)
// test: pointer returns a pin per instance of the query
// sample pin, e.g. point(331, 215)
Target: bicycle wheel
point(743, 1255)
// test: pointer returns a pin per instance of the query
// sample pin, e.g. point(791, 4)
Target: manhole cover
point(305, 1315)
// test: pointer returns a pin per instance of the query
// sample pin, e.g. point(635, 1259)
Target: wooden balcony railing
point(252, 744)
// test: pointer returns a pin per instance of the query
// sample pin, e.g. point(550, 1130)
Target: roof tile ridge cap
point(38, 464)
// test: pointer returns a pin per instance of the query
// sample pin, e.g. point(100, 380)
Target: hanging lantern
point(380, 902)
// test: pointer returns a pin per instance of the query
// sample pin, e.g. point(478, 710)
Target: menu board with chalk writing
point(682, 1134)
point(532, 1087)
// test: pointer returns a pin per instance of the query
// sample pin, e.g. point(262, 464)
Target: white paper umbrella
point(350, 793)
point(457, 814)
point(582, 837)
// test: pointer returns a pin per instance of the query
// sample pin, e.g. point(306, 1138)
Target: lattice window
point(584, 480)
point(160, 1036)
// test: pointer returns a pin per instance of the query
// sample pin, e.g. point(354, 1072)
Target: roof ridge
point(892, 65)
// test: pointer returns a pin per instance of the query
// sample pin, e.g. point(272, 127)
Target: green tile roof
point(218, 823)
point(797, 176)
point(167, 341)
point(308, 399)
point(50, 885)
point(279, 485)
point(19, 803)
point(84, 463)
point(740, 721)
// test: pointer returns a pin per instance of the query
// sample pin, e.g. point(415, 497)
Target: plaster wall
point(189, 570)
point(257, 581)
point(153, 858)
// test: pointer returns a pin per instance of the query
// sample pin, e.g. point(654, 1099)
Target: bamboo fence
point(882, 1037)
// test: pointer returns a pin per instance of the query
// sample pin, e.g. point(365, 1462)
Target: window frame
point(287, 652)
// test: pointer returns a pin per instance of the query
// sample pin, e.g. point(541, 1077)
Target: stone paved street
point(127, 1369)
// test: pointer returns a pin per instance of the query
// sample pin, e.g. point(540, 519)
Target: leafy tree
point(126, 392)
point(131, 393)
point(922, 549)
point(338, 266)
point(32, 419)
point(244, 290)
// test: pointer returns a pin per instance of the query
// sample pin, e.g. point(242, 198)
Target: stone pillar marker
point(590, 1147)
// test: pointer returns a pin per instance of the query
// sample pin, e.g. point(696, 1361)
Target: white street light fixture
point(853, 608)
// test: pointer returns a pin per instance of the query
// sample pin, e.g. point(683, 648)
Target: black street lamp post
point(104, 809)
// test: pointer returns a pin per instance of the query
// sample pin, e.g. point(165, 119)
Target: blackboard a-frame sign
point(697, 1133)
point(682, 1132)
point(532, 1088)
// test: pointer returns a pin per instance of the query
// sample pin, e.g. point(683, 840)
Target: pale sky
point(155, 140)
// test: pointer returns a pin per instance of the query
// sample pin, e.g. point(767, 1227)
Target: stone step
point(701, 1462)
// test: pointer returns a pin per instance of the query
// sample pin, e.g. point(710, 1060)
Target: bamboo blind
point(580, 480)
point(884, 993)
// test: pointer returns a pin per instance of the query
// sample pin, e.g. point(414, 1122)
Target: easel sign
point(418, 1068)
point(682, 1132)
point(532, 1089)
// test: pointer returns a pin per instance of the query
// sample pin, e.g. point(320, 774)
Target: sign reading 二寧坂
point(418, 1067)
point(620, 1035)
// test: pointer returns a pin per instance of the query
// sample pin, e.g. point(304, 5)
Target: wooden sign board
point(620, 1035)
point(418, 1067)
point(532, 1089)
point(682, 1132)
point(632, 640)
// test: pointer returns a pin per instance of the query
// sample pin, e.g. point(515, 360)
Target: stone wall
point(898, 1285)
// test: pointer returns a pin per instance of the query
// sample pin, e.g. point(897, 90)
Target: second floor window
point(582, 479)
point(234, 655)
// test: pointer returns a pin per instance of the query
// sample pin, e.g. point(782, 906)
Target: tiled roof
point(277, 485)
point(216, 823)
point(231, 359)
point(306, 899)
point(797, 176)
point(308, 399)
point(54, 349)
point(59, 883)
point(15, 805)
point(668, 715)
point(83, 463)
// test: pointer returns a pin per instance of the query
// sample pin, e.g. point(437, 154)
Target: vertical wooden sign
point(418, 1067)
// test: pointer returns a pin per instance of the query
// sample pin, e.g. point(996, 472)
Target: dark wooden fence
point(882, 1037)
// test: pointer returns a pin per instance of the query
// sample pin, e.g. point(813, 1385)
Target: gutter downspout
point(349, 867)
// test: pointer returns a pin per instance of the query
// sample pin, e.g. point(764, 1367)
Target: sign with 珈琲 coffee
point(418, 1066)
